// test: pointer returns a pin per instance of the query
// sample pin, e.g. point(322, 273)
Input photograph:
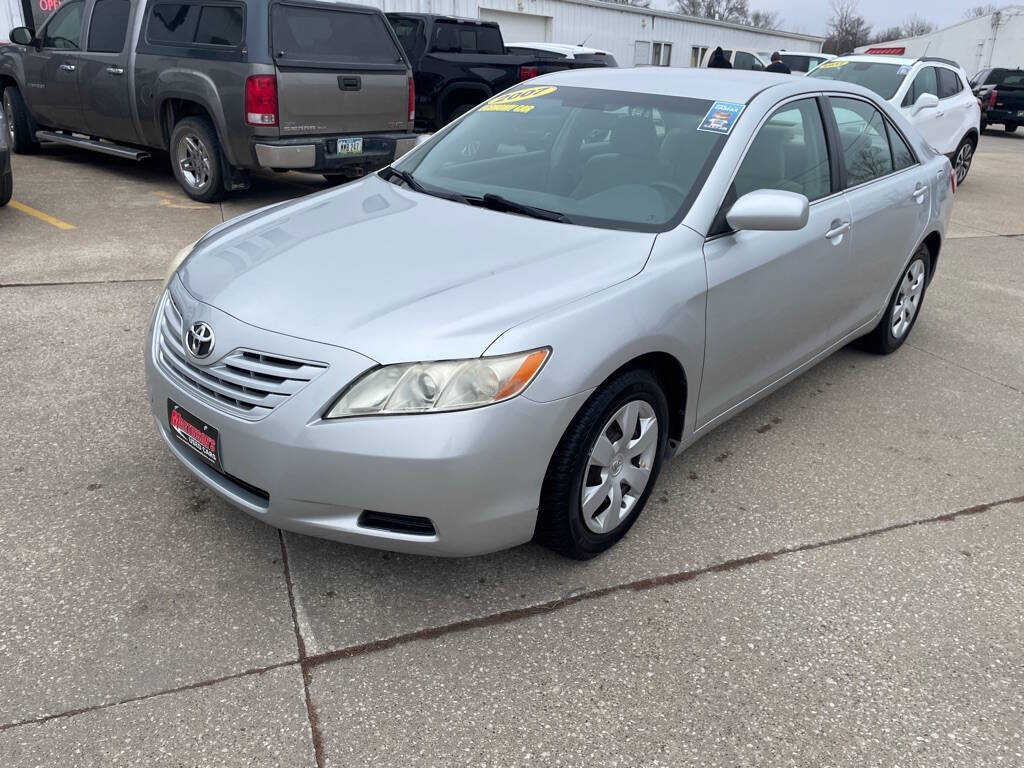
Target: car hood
point(396, 275)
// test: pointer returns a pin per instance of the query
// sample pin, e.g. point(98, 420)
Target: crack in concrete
point(59, 283)
point(308, 663)
point(965, 368)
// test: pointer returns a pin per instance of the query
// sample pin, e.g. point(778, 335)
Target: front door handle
point(115, 70)
point(919, 193)
point(838, 228)
point(68, 67)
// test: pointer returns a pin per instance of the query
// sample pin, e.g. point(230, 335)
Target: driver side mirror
point(22, 36)
point(926, 101)
point(772, 210)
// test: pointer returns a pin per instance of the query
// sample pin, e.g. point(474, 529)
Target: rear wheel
point(1010, 127)
point(904, 307)
point(962, 159)
point(196, 161)
point(19, 127)
point(458, 112)
point(6, 188)
point(604, 467)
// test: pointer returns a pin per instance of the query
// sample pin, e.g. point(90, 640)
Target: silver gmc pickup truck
point(223, 86)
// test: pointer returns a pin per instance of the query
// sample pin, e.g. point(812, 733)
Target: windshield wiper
point(499, 203)
point(405, 176)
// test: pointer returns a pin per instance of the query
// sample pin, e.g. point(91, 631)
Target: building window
point(661, 54)
point(697, 55)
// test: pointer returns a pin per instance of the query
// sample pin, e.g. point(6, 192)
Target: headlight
point(448, 385)
point(179, 257)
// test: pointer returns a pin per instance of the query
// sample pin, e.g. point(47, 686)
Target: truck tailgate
point(339, 71)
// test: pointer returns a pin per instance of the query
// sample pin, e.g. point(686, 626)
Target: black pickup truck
point(458, 63)
point(1001, 92)
point(222, 86)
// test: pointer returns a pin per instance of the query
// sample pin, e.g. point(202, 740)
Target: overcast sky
point(811, 16)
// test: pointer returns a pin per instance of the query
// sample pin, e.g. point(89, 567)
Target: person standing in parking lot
point(778, 65)
point(718, 60)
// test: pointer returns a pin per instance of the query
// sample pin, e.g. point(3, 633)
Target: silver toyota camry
point(504, 335)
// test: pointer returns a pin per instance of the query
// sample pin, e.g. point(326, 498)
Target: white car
point(932, 93)
point(741, 58)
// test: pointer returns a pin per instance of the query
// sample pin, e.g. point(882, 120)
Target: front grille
point(244, 382)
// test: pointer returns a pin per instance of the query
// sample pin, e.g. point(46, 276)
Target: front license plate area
point(349, 147)
point(195, 433)
point(1020, 113)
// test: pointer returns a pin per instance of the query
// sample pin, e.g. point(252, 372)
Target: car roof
point(880, 58)
point(734, 85)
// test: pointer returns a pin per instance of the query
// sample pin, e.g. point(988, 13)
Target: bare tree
point(635, 3)
point(892, 33)
point(980, 10)
point(915, 26)
point(765, 19)
point(736, 11)
point(846, 29)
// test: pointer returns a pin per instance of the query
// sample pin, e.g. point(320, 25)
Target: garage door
point(519, 27)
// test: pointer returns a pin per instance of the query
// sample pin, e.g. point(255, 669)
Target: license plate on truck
point(350, 147)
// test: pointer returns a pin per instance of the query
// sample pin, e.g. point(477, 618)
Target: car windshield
point(597, 157)
point(882, 78)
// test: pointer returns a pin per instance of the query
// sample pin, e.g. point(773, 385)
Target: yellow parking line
point(40, 215)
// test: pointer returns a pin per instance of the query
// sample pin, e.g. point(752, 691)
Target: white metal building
point(995, 40)
point(635, 36)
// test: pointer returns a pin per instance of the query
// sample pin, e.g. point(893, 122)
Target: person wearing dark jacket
point(778, 65)
point(718, 60)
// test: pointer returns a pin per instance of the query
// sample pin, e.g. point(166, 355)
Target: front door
point(930, 123)
point(51, 71)
point(771, 294)
point(106, 102)
point(889, 193)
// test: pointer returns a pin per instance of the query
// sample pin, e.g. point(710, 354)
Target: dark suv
point(224, 86)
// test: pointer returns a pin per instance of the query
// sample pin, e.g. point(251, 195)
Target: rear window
point(949, 83)
point(452, 37)
point(882, 78)
point(408, 31)
point(329, 36)
point(1014, 77)
point(193, 23)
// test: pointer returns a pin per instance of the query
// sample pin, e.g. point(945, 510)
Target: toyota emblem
point(199, 340)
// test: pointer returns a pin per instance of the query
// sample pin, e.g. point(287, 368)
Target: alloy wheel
point(194, 161)
point(619, 466)
point(908, 299)
point(963, 161)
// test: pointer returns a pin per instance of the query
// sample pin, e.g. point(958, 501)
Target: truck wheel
point(459, 111)
point(18, 123)
point(6, 188)
point(195, 159)
point(1010, 128)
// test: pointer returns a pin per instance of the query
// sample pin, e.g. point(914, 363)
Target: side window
point(746, 60)
point(902, 154)
point(65, 28)
point(925, 82)
point(796, 63)
point(865, 145)
point(949, 83)
point(220, 25)
point(173, 23)
point(109, 26)
point(788, 153)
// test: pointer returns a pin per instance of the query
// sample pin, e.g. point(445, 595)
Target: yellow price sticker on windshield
point(511, 101)
point(834, 64)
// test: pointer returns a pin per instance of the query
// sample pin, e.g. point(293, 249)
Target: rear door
point(106, 108)
point(339, 70)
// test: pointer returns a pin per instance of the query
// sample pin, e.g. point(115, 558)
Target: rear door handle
point(919, 193)
point(68, 67)
point(115, 70)
point(838, 228)
point(349, 82)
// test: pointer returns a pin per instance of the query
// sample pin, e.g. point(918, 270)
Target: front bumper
point(476, 475)
point(318, 153)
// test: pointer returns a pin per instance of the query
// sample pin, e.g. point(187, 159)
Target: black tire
point(882, 340)
point(203, 182)
point(1010, 128)
point(458, 111)
point(23, 141)
point(983, 127)
point(560, 519)
point(961, 167)
point(6, 188)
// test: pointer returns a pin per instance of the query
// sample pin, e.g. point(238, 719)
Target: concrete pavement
point(146, 622)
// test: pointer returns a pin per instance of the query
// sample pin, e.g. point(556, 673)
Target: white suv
point(931, 92)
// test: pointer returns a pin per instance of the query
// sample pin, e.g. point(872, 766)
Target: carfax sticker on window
point(721, 117)
point(904, 69)
point(512, 101)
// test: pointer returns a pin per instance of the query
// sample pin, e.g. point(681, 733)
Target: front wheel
point(6, 188)
point(962, 159)
point(196, 161)
point(904, 307)
point(604, 467)
point(19, 127)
